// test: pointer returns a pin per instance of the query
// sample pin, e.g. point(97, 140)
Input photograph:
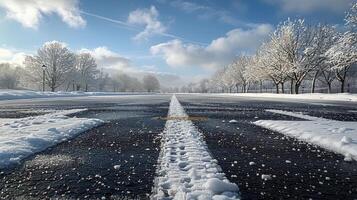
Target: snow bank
point(186, 169)
point(337, 136)
point(27, 94)
point(20, 138)
point(315, 96)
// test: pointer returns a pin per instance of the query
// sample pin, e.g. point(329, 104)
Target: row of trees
point(294, 52)
point(67, 70)
point(61, 66)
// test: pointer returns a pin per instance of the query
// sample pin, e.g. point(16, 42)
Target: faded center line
point(186, 169)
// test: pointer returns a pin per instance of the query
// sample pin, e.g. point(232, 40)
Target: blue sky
point(189, 39)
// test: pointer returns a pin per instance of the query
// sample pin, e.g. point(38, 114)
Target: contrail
point(128, 26)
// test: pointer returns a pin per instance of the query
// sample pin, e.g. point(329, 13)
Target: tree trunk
point(342, 85)
point(314, 82)
point(237, 88)
point(297, 86)
point(282, 88)
point(291, 86)
point(277, 88)
point(86, 87)
point(261, 86)
point(329, 87)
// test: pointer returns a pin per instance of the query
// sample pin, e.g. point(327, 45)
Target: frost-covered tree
point(237, 71)
point(255, 73)
point(151, 83)
point(325, 37)
point(342, 55)
point(299, 48)
point(9, 76)
point(59, 62)
point(218, 82)
point(86, 68)
point(272, 65)
point(351, 17)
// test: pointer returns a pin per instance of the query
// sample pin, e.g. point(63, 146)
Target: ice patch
point(186, 169)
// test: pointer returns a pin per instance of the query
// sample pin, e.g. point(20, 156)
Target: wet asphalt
point(118, 159)
point(246, 152)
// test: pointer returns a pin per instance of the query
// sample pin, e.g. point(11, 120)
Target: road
point(130, 139)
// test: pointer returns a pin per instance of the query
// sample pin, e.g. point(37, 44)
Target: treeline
point(295, 52)
point(61, 69)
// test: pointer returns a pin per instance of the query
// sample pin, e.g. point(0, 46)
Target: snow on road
point(20, 138)
point(186, 169)
point(307, 96)
point(337, 136)
point(27, 94)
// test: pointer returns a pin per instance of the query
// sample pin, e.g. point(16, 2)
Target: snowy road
point(120, 158)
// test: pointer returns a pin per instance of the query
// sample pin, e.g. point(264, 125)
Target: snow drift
point(20, 138)
point(337, 136)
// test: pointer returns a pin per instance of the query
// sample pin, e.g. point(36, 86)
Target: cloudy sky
point(188, 39)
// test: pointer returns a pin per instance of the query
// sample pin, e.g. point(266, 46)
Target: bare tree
point(86, 67)
point(59, 62)
point(151, 83)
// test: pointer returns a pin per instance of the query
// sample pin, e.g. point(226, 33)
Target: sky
point(180, 40)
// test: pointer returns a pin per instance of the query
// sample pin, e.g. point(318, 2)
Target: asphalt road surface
point(130, 139)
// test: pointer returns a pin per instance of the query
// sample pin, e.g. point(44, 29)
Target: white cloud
point(308, 6)
point(218, 53)
point(12, 57)
point(147, 17)
point(30, 12)
point(106, 58)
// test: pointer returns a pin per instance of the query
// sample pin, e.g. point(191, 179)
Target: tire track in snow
point(186, 169)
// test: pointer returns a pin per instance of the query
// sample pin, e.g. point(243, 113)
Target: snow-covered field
point(20, 138)
point(186, 169)
point(307, 96)
point(337, 136)
point(27, 94)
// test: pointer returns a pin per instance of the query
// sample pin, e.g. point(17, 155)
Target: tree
point(102, 80)
point(203, 85)
point(326, 36)
point(255, 72)
point(298, 46)
point(9, 76)
point(86, 67)
point(218, 80)
point(351, 17)
point(269, 62)
point(342, 55)
point(59, 62)
point(151, 83)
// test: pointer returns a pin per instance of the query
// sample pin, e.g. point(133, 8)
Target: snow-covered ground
point(307, 96)
point(337, 136)
point(186, 169)
point(27, 94)
point(20, 138)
